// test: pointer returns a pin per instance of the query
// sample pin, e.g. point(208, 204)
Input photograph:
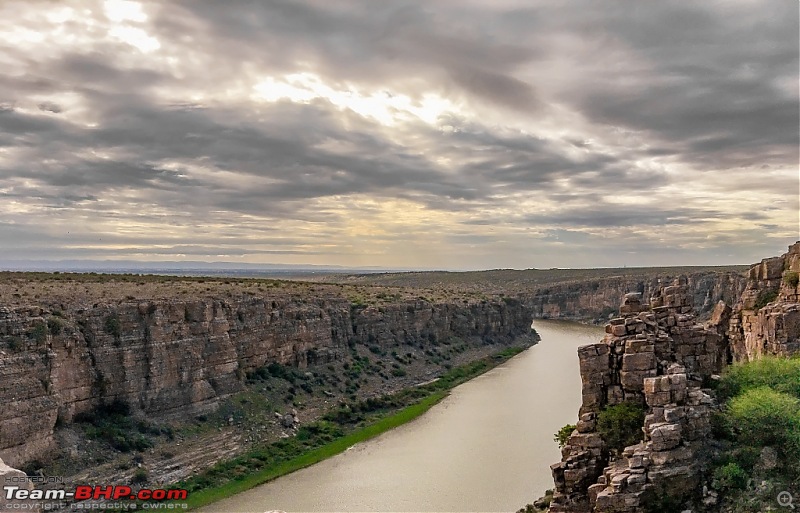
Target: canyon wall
point(658, 356)
point(170, 358)
point(599, 299)
point(766, 318)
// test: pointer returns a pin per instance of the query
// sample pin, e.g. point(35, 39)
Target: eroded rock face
point(766, 319)
point(170, 358)
point(601, 298)
point(657, 355)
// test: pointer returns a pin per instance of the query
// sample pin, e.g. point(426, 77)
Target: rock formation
point(599, 299)
point(16, 478)
point(171, 358)
point(656, 355)
point(766, 319)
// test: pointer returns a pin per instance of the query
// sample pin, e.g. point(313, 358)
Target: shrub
point(140, 476)
point(781, 374)
point(791, 278)
point(765, 297)
point(55, 325)
point(112, 423)
point(39, 332)
point(563, 434)
point(275, 370)
point(730, 477)
point(112, 326)
point(762, 417)
point(16, 344)
point(621, 425)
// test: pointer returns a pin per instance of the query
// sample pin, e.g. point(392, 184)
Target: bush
point(762, 417)
point(563, 434)
point(781, 374)
point(112, 326)
point(621, 425)
point(792, 279)
point(16, 344)
point(55, 325)
point(765, 297)
point(39, 332)
point(730, 477)
point(140, 476)
point(113, 424)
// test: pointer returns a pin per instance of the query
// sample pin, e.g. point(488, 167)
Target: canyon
point(175, 350)
point(174, 358)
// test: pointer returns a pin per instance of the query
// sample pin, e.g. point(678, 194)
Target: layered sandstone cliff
point(170, 358)
point(577, 294)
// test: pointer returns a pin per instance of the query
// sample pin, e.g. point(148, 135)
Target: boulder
point(665, 436)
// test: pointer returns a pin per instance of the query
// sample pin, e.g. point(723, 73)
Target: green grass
point(209, 495)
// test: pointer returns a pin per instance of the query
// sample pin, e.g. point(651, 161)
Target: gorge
point(185, 356)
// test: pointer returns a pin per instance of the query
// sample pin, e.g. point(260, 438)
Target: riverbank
point(339, 429)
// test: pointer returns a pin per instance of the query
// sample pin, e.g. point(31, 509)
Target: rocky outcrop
point(11, 477)
point(171, 358)
point(599, 299)
point(658, 355)
point(655, 355)
point(766, 319)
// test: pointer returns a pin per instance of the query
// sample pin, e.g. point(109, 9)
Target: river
point(486, 447)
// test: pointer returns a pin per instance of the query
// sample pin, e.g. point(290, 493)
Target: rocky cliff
point(599, 298)
point(657, 356)
point(171, 357)
point(766, 318)
point(578, 294)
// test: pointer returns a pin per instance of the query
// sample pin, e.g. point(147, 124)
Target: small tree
point(621, 425)
point(563, 434)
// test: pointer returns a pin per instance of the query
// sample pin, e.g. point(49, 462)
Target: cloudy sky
point(455, 134)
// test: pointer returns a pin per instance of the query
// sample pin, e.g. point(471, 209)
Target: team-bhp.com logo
point(17, 497)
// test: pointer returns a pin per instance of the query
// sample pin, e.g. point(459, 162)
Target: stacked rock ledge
point(654, 354)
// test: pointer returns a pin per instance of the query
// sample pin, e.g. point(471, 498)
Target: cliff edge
point(656, 357)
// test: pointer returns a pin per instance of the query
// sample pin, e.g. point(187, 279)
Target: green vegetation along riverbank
point(338, 429)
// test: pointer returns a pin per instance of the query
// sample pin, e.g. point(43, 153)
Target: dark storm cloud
point(50, 107)
point(693, 75)
point(368, 42)
point(718, 84)
point(278, 154)
point(569, 110)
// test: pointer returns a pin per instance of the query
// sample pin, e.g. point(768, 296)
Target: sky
point(446, 134)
